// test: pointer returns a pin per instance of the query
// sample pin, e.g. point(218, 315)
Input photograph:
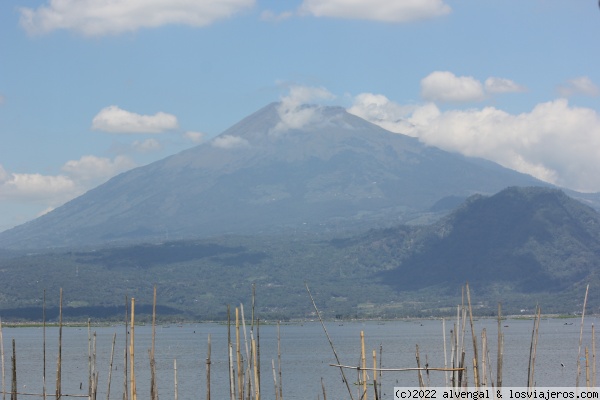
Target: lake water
point(306, 355)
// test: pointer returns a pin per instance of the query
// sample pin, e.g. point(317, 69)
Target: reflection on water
point(306, 356)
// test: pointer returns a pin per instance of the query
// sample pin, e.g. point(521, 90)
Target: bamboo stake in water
point(587, 369)
point(59, 361)
point(2, 361)
point(153, 384)
point(500, 349)
point(89, 359)
point(44, 345)
point(13, 395)
point(475, 368)
point(132, 352)
point(593, 356)
point(363, 363)
point(255, 365)
point(248, 359)
point(239, 356)
point(112, 354)
point(208, 370)
point(279, 362)
point(231, 374)
point(330, 342)
point(445, 357)
point(125, 386)
point(375, 374)
point(229, 358)
point(94, 372)
point(380, 366)
point(175, 373)
point(483, 355)
point(419, 374)
point(275, 380)
point(581, 337)
point(323, 388)
point(533, 349)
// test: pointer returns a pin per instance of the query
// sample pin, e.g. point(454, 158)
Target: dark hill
point(525, 240)
point(269, 173)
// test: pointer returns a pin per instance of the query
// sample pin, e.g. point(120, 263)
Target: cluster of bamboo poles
point(456, 373)
point(244, 373)
point(244, 367)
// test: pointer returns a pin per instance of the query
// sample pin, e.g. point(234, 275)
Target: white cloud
point(229, 142)
point(292, 110)
point(91, 170)
point(104, 17)
point(554, 142)
point(445, 87)
point(581, 85)
point(53, 190)
point(376, 10)
point(115, 120)
point(195, 137)
point(35, 187)
point(502, 85)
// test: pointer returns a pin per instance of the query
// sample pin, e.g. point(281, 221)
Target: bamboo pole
point(330, 342)
point(323, 389)
point(279, 362)
point(125, 385)
point(208, 370)
point(275, 380)
point(419, 369)
point(2, 361)
point(445, 355)
point(94, 372)
point(380, 364)
point(239, 356)
point(587, 369)
point(229, 358)
point(44, 345)
point(255, 367)
point(581, 337)
point(13, 394)
point(396, 369)
point(132, 389)
point(231, 374)
point(483, 355)
point(500, 355)
point(593, 356)
point(59, 361)
point(375, 375)
point(363, 363)
point(112, 354)
point(258, 352)
point(153, 383)
point(475, 355)
point(248, 358)
point(89, 358)
point(175, 377)
point(533, 349)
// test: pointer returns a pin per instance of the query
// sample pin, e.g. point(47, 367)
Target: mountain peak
point(287, 166)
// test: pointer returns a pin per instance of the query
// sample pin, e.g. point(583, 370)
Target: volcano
point(306, 168)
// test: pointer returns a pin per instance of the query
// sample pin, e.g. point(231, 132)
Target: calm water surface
point(306, 356)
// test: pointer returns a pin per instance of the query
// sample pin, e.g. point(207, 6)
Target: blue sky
point(92, 88)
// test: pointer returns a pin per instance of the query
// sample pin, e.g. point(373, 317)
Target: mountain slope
point(313, 168)
point(525, 240)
